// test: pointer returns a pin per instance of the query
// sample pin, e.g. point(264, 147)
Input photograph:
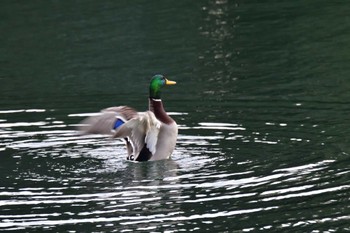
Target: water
point(262, 102)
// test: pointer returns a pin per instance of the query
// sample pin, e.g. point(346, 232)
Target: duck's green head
point(157, 82)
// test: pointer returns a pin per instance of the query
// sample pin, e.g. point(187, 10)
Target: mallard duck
point(149, 135)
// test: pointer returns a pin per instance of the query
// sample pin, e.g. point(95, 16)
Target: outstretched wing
point(141, 129)
point(107, 121)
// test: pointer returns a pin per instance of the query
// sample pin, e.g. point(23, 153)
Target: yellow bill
point(169, 82)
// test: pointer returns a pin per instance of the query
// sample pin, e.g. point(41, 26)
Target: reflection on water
point(219, 26)
point(62, 179)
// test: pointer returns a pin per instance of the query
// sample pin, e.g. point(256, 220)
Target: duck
point(149, 135)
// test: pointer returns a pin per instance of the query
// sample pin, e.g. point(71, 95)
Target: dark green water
point(262, 102)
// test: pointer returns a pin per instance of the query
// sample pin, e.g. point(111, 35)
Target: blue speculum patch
point(118, 123)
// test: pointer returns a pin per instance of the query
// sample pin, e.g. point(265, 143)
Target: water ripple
point(66, 179)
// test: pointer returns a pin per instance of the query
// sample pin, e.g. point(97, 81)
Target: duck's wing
point(107, 121)
point(141, 128)
point(142, 131)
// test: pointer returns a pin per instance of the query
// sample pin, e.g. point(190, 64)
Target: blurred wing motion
point(140, 130)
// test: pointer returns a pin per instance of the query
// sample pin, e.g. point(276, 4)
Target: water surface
point(262, 104)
